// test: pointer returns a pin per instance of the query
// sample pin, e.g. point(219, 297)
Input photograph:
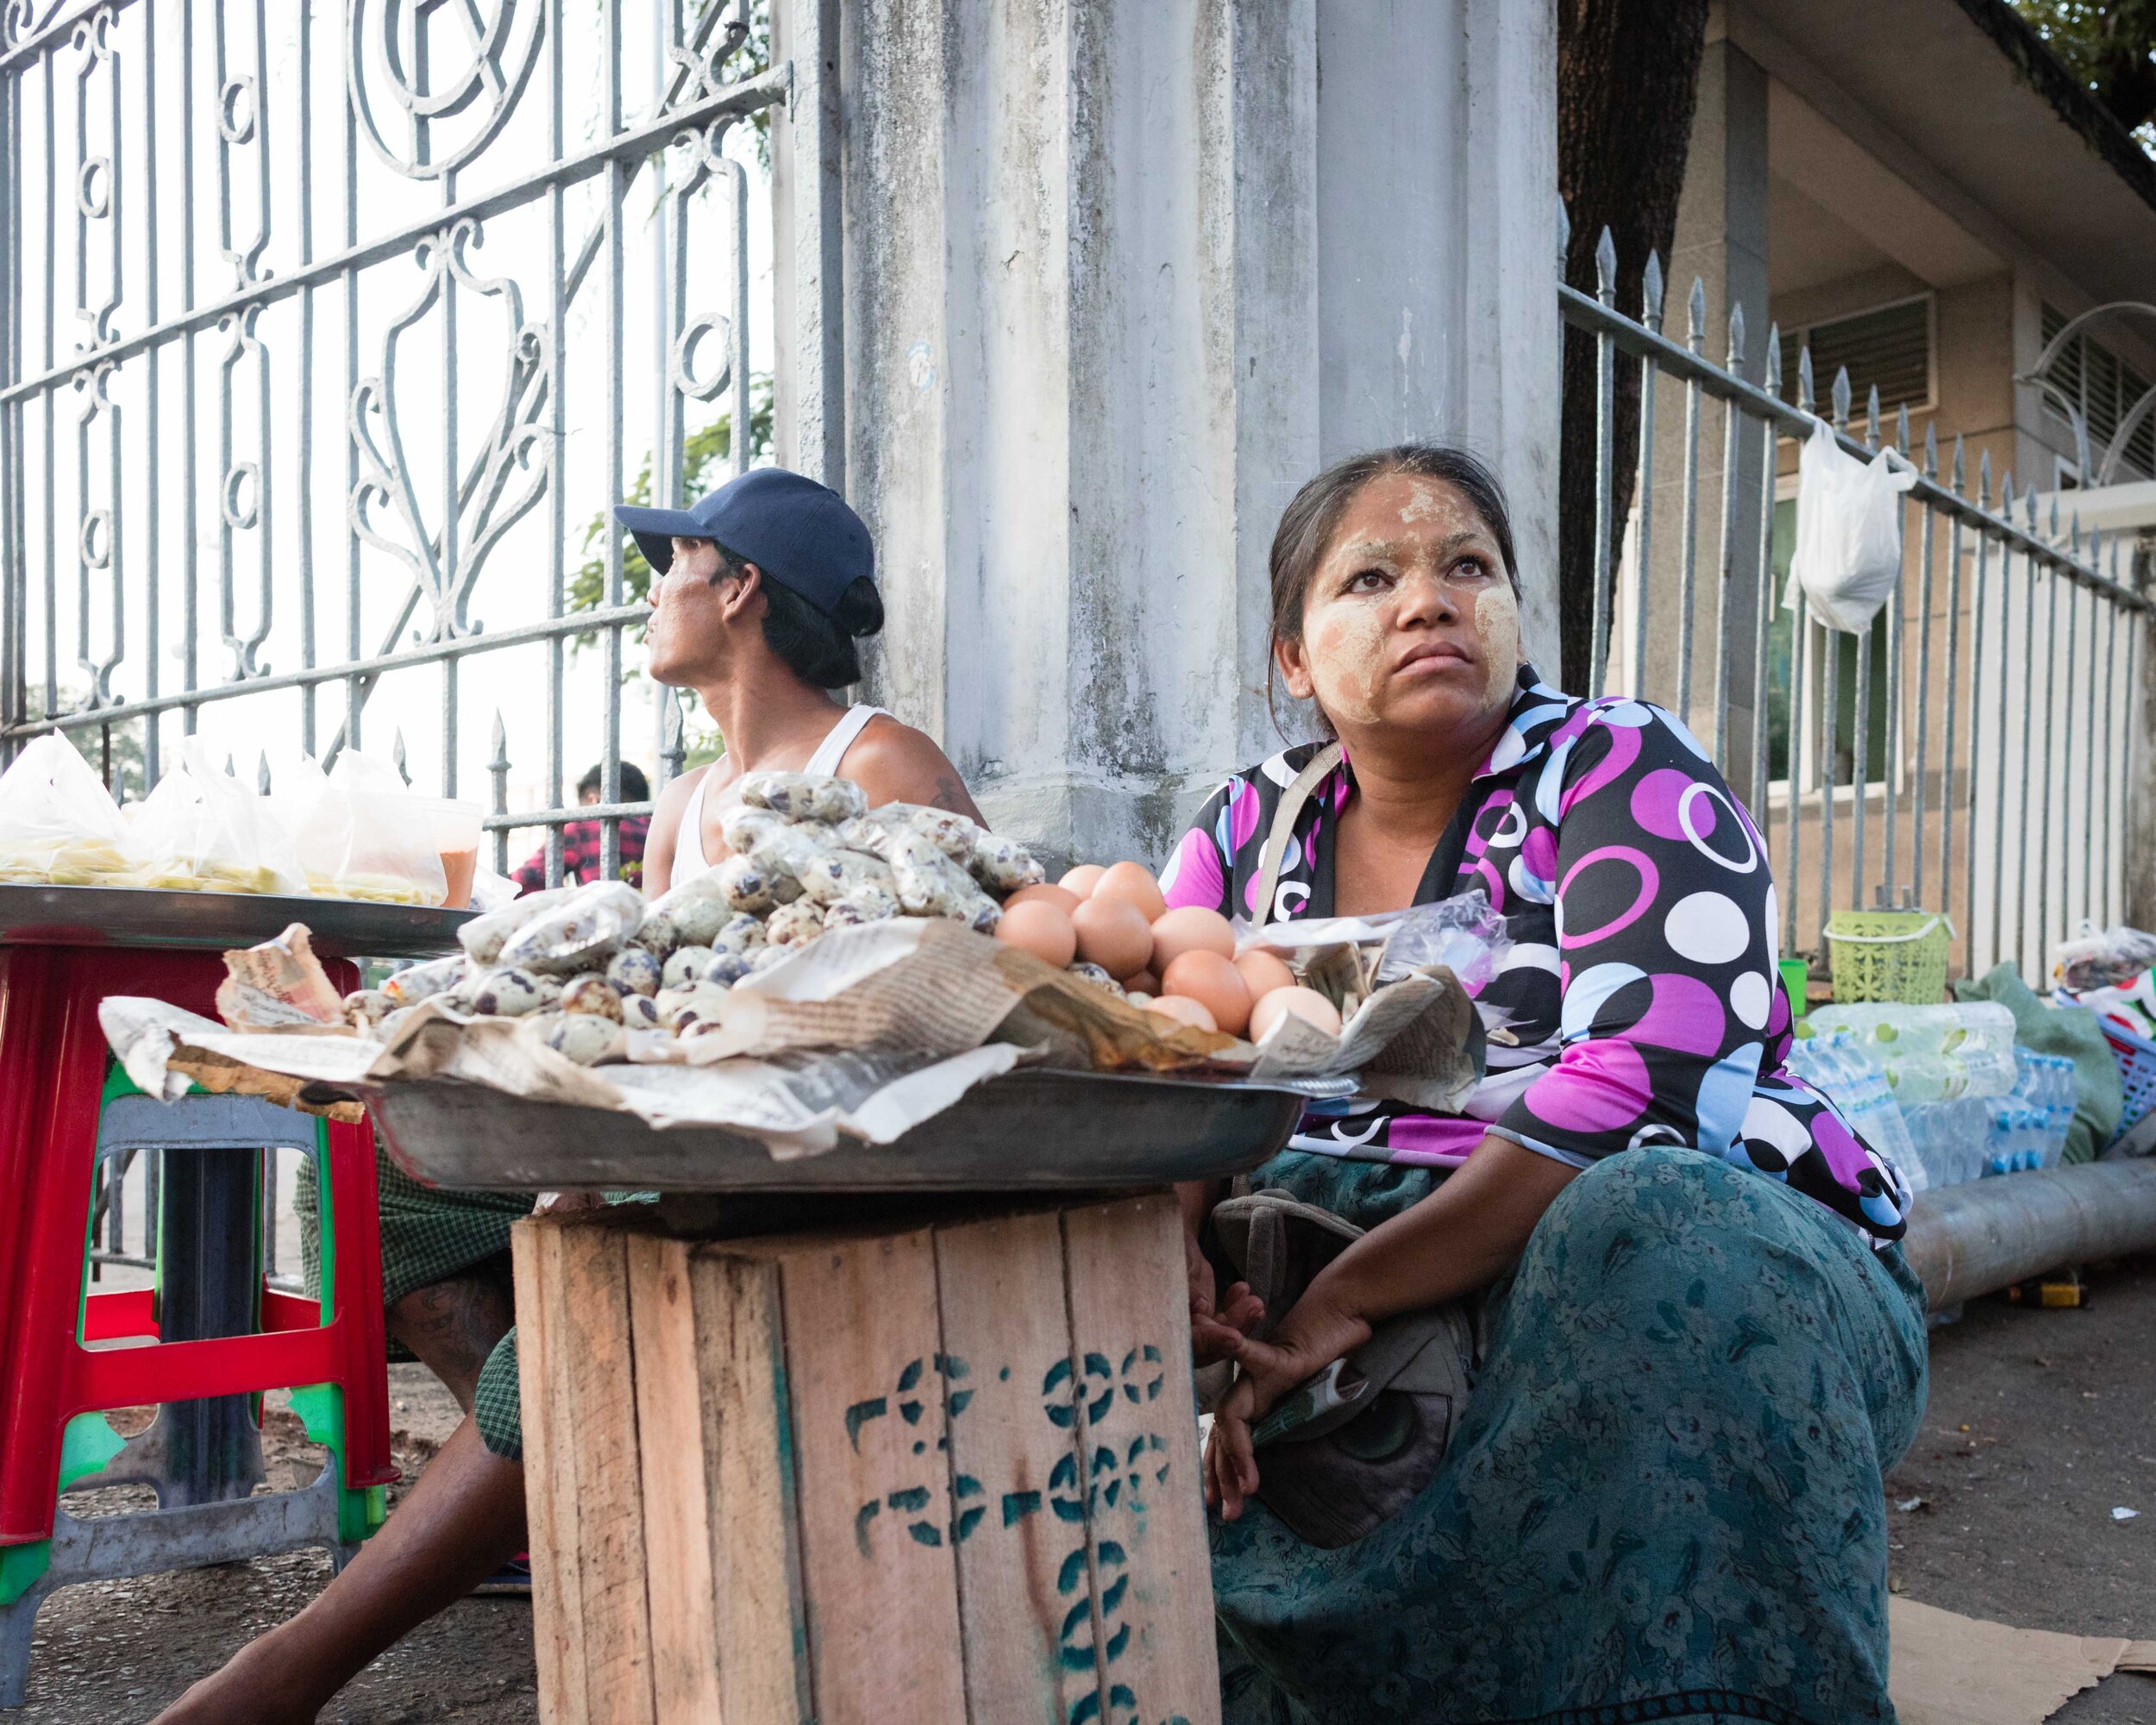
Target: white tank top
point(688, 845)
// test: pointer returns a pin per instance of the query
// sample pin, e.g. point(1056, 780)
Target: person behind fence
point(1629, 1340)
point(764, 588)
point(583, 841)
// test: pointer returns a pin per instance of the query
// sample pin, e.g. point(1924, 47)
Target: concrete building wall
point(1119, 277)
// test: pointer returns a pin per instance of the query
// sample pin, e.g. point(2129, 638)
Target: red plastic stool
point(54, 1063)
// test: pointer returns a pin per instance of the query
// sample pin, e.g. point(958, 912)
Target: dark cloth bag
point(1359, 1442)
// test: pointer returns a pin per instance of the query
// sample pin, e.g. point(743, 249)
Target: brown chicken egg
point(1113, 934)
point(1306, 1004)
point(1063, 900)
point(1145, 983)
point(1190, 928)
point(1264, 971)
point(1081, 881)
point(1134, 884)
point(1215, 984)
point(1041, 929)
point(1183, 1010)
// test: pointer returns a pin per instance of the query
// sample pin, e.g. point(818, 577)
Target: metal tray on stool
point(131, 916)
point(1030, 1130)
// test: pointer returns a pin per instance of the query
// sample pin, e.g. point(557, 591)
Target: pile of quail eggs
point(585, 966)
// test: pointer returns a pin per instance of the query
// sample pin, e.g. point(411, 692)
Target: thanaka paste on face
point(1344, 645)
point(1497, 628)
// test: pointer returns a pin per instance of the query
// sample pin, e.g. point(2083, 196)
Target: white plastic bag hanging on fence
point(1848, 531)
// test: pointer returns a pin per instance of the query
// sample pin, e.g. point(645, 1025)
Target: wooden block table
point(934, 1472)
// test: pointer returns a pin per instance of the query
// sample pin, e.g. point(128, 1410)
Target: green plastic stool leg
point(320, 1410)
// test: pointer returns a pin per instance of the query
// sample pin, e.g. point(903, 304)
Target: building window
point(2104, 388)
point(1890, 346)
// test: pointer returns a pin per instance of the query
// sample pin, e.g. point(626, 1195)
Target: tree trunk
point(1628, 81)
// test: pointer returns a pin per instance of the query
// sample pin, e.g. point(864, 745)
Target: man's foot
point(512, 1581)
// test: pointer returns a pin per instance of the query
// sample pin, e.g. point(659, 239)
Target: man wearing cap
point(759, 593)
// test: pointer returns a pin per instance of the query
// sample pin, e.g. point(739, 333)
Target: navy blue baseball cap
point(800, 534)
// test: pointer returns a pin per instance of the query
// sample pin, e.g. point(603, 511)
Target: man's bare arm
point(895, 764)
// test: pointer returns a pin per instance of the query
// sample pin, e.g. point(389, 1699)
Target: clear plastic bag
point(2102, 958)
point(202, 830)
point(364, 836)
point(1848, 531)
point(1464, 932)
point(58, 822)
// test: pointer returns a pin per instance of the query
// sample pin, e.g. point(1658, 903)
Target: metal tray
point(1025, 1131)
point(127, 916)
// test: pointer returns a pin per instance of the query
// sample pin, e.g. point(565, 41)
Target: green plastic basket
point(1897, 956)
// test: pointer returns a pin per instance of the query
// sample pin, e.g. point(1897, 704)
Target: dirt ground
point(2040, 1426)
point(115, 1652)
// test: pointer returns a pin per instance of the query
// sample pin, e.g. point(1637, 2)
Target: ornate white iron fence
point(329, 323)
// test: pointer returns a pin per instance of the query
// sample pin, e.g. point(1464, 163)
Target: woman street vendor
point(763, 588)
point(1697, 1344)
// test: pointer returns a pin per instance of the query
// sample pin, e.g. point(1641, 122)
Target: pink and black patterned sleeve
point(1202, 870)
point(1665, 912)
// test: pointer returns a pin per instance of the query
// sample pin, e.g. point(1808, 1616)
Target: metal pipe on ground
point(1983, 1235)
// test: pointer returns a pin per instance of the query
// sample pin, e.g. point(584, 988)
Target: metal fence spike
point(1564, 236)
point(231, 771)
point(1931, 452)
point(1871, 417)
point(1984, 479)
point(1695, 315)
point(1805, 397)
point(1606, 269)
point(1961, 471)
point(1651, 292)
point(396, 756)
point(1902, 427)
point(1773, 378)
point(262, 773)
point(1736, 339)
point(499, 763)
point(1841, 398)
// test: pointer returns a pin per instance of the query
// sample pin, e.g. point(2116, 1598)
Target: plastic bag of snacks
point(358, 835)
point(202, 830)
point(58, 825)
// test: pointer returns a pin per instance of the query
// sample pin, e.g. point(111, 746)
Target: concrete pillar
point(1722, 241)
point(1120, 276)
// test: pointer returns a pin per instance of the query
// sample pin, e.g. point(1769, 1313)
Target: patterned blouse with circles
point(1638, 1003)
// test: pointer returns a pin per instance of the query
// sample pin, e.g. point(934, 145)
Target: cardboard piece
point(1951, 1669)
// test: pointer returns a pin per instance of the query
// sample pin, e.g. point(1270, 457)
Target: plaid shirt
point(580, 855)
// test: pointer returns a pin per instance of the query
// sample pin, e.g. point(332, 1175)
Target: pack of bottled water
point(1932, 1054)
point(1969, 1137)
point(1835, 1063)
point(1940, 1140)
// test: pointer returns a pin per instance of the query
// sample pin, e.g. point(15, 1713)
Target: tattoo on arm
point(951, 794)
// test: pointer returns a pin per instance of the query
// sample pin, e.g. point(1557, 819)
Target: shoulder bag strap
point(1283, 828)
